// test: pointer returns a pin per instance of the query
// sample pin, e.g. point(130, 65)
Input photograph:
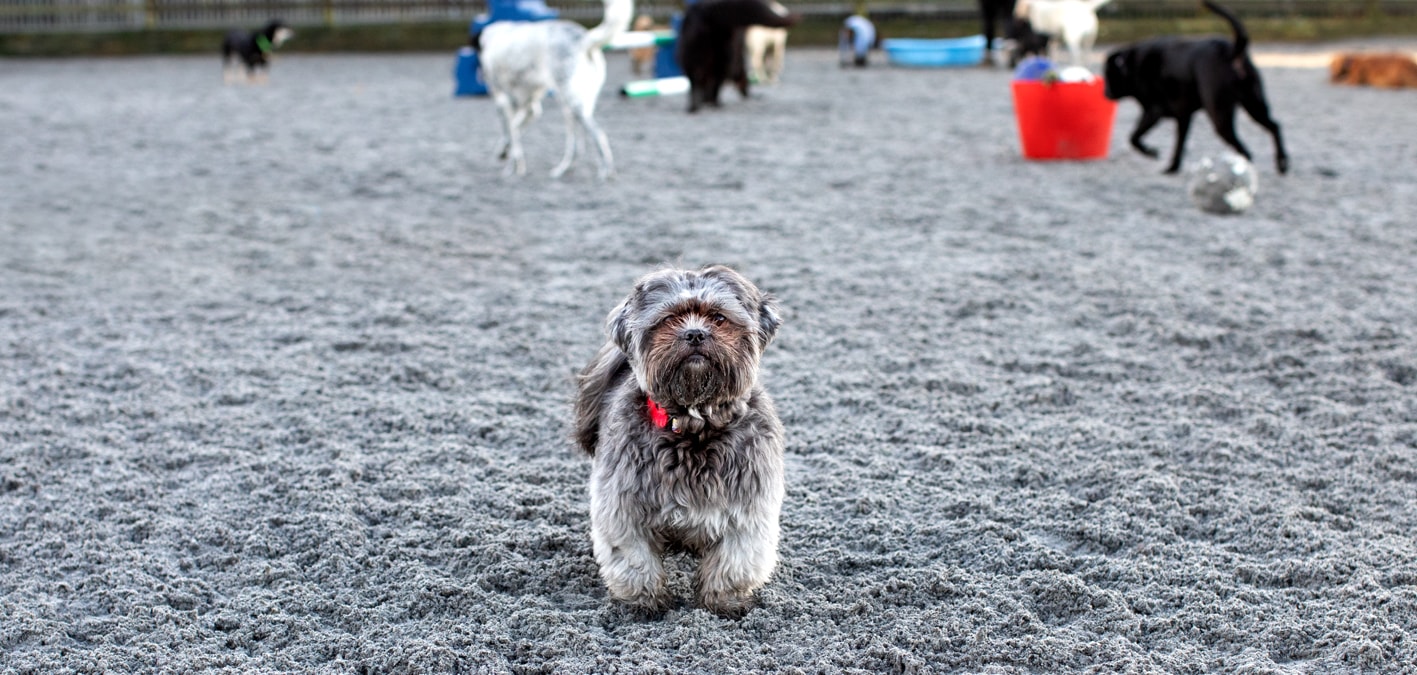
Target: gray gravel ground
point(285, 375)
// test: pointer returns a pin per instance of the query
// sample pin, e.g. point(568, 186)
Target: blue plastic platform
point(942, 53)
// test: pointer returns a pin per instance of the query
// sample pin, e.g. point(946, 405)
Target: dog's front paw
point(730, 605)
point(632, 612)
point(641, 594)
point(1282, 163)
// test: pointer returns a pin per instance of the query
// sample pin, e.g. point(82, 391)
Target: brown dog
point(643, 57)
point(1391, 70)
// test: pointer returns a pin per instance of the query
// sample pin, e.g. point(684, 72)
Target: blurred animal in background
point(711, 44)
point(1026, 42)
point(642, 58)
point(854, 43)
point(767, 52)
point(1174, 77)
point(524, 60)
point(251, 51)
point(994, 13)
point(1073, 23)
point(1392, 70)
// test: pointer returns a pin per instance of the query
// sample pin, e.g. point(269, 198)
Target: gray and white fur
point(523, 61)
point(710, 481)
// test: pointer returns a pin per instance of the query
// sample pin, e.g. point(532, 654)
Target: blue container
point(1033, 68)
point(941, 53)
point(666, 58)
point(467, 75)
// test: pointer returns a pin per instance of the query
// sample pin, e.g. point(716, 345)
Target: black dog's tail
point(1242, 39)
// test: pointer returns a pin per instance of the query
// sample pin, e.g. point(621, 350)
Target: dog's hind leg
point(1255, 105)
point(520, 119)
point(572, 141)
point(513, 119)
point(1223, 119)
point(606, 161)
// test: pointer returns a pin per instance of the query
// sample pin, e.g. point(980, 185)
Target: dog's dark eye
point(718, 319)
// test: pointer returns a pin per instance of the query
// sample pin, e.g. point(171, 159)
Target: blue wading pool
point(924, 53)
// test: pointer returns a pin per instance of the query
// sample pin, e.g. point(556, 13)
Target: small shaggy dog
point(767, 51)
point(686, 447)
point(252, 49)
point(524, 60)
point(1175, 77)
point(1073, 23)
point(1393, 70)
point(711, 44)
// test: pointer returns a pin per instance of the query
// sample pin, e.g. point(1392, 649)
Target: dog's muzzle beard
point(695, 374)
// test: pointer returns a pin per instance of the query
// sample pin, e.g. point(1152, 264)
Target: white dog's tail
point(618, 15)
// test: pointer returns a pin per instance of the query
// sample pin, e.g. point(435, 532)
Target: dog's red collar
point(659, 417)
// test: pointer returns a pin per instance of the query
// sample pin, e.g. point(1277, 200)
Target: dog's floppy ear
point(617, 323)
point(768, 317)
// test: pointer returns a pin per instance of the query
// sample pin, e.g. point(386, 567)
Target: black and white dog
point(253, 49)
point(524, 61)
point(711, 44)
point(1175, 77)
point(1026, 42)
point(1071, 24)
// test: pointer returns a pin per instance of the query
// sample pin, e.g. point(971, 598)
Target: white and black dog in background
point(1070, 23)
point(523, 61)
point(253, 48)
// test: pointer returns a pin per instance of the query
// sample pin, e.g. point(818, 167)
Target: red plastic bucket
point(1063, 120)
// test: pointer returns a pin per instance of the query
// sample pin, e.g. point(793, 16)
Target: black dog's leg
point(712, 89)
point(1183, 128)
point(720, 68)
point(737, 64)
point(1257, 108)
point(696, 93)
point(1149, 118)
point(1224, 122)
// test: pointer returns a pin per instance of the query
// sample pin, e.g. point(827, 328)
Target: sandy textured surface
point(285, 376)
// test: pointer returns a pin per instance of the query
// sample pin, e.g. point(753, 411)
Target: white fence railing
point(73, 16)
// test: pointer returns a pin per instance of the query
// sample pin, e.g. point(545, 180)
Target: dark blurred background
point(114, 27)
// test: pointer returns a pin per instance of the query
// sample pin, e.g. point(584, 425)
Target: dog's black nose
point(695, 336)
